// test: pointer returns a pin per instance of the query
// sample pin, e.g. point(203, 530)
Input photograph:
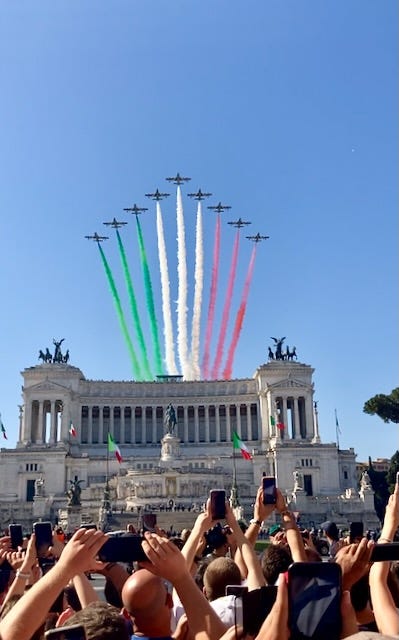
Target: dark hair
point(72, 598)
point(275, 560)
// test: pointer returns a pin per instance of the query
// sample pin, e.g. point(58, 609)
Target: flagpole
point(233, 495)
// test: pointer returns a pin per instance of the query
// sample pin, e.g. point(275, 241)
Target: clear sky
point(287, 111)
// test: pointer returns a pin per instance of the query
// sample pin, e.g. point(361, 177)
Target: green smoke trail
point(150, 301)
point(136, 367)
point(133, 307)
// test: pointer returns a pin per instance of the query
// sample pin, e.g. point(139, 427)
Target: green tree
point(379, 484)
point(392, 471)
point(386, 407)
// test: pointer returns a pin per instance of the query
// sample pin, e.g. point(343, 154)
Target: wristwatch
point(254, 521)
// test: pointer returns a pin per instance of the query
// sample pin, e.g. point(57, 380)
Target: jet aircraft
point(220, 207)
point(96, 237)
point(200, 195)
point(157, 195)
point(238, 223)
point(115, 224)
point(178, 179)
point(257, 238)
point(136, 210)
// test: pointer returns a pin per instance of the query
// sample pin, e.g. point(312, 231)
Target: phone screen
point(149, 521)
point(218, 504)
point(16, 535)
point(269, 490)
point(44, 537)
point(125, 548)
point(235, 590)
point(314, 596)
point(355, 531)
point(256, 606)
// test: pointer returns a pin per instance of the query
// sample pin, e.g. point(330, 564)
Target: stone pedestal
point(39, 510)
point(170, 451)
point(73, 518)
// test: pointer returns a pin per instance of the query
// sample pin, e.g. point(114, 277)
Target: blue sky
point(285, 110)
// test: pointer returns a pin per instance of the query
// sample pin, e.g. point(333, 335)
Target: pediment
point(47, 385)
point(289, 383)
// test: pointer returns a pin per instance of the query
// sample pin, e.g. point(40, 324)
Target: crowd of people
point(201, 585)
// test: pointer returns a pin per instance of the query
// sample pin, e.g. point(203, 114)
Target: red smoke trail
point(239, 318)
point(226, 309)
point(212, 300)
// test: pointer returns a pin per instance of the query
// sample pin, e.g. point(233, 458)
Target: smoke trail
point(182, 345)
point(165, 284)
point(226, 308)
point(212, 299)
point(199, 283)
point(150, 300)
point(133, 307)
point(239, 318)
point(121, 317)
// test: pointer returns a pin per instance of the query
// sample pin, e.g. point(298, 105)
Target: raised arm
point(30, 611)
point(385, 612)
point(201, 525)
point(293, 535)
point(167, 561)
point(255, 577)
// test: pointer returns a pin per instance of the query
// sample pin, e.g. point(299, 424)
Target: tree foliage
point(384, 406)
point(392, 471)
point(379, 484)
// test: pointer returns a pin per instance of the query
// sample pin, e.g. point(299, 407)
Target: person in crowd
point(148, 604)
point(331, 532)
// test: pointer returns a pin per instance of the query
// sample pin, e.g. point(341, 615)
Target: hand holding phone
point(269, 490)
point(44, 538)
point(16, 536)
point(218, 504)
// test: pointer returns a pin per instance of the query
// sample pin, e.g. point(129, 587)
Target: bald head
point(148, 603)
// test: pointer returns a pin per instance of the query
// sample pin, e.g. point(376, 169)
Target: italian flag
point(72, 430)
point(239, 444)
point(113, 448)
point(3, 429)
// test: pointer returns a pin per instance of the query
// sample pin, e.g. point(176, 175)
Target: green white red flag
point(3, 429)
point(239, 444)
point(113, 448)
point(72, 430)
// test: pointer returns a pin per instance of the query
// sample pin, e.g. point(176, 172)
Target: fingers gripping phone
point(269, 490)
point(314, 600)
point(16, 535)
point(218, 504)
point(44, 538)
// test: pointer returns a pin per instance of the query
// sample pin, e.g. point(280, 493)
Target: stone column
point(206, 407)
point(296, 420)
point(284, 412)
point(185, 413)
point(143, 425)
point(154, 425)
point(217, 421)
point(309, 428)
point(27, 422)
point(53, 423)
point(122, 428)
point(133, 424)
point(238, 419)
point(228, 424)
point(40, 423)
point(249, 422)
point(89, 424)
point(100, 424)
point(111, 420)
point(196, 424)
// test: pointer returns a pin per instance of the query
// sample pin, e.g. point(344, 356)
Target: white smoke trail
point(182, 345)
point(199, 283)
point(165, 285)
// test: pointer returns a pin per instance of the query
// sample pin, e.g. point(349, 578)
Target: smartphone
point(149, 521)
point(269, 490)
point(235, 590)
point(314, 600)
point(88, 526)
point(125, 548)
point(256, 606)
point(16, 535)
point(355, 532)
point(218, 504)
point(72, 632)
point(388, 551)
point(44, 538)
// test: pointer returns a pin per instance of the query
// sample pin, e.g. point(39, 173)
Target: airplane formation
point(158, 195)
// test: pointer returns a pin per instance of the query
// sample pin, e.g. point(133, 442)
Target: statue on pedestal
point(39, 487)
point(74, 493)
point(170, 420)
point(297, 481)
